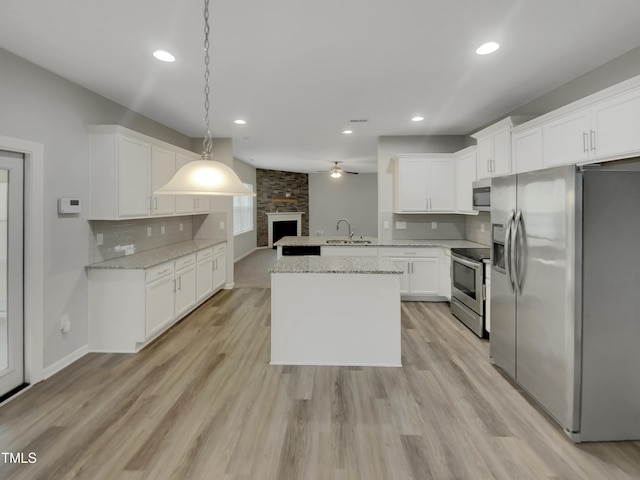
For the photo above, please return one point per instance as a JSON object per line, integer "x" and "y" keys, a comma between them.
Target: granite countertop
{"x": 322, "y": 240}
{"x": 156, "y": 256}
{"x": 352, "y": 265}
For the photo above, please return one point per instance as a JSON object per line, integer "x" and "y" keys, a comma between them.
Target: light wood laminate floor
{"x": 203, "y": 402}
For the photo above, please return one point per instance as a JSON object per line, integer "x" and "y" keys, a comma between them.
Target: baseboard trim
{"x": 66, "y": 361}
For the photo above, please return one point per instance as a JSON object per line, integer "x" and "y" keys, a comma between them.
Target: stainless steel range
{"x": 468, "y": 287}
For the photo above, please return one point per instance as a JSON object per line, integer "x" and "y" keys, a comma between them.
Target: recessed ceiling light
{"x": 164, "y": 56}
{"x": 417, "y": 119}
{"x": 487, "y": 48}
{"x": 240, "y": 122}
{"x": 347, "y": 132}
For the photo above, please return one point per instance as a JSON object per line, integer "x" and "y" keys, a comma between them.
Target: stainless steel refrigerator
{"x": 565, "y": 294}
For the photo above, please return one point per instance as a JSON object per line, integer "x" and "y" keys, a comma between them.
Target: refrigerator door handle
{"x": 507, "y": 253}
{"x": 514, "y": 260}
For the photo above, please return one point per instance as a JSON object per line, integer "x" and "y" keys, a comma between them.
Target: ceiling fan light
{"x": 335, "y": 173}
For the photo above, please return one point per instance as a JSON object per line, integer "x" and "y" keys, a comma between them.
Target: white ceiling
{"x": 298, "y": 71}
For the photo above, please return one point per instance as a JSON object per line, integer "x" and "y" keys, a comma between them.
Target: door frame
{"x": 33, "y": 254}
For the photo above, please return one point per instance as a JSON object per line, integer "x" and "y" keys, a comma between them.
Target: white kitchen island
{"x": 335, "y": 311}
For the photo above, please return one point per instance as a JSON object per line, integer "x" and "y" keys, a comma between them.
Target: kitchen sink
{"x": 341, "y": 241}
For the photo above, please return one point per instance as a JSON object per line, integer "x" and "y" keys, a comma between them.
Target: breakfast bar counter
{"x": 335, "y": 311}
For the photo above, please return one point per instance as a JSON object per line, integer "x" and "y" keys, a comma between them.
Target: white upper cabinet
{"x": 601, "y": 127}
{"x": 465, "y": 166}
{"x": 566, "y": 139}
{"x": 424, "y": 183}
{"x": 186, "y": 204}
{"x": 616, "y": 126}
{"x": 527, "y": 149}
{"x": 126, "y": 168}
{"x": 494, "y": 148}
{"x": 163, "y": 166}
{"x": 134, "y": 166}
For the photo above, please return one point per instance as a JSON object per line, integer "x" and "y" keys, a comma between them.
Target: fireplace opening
{"x": 284, "y": 228}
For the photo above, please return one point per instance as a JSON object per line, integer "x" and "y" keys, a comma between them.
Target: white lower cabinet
{"x": 159, "y": 299}
{"x": 129, "y": 307}
{"x": 219, "y": 266}
{"x": 185, "y": 278}
{"x": 204, "y": 274}
{"x": 421, "y": 267}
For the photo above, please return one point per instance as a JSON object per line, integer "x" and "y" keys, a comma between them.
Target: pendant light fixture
{"x": 206, "y": 176}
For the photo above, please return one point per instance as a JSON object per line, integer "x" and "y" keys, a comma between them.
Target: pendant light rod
{"x": 206, "y": 176}
{"x": 208, "y": 140}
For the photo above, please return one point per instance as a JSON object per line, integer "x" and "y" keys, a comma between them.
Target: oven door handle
{"x": 468, "y": 263}
{"x": 507, "y": 254}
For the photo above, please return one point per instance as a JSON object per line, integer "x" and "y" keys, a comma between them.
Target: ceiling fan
{"x": 336, "y": 171}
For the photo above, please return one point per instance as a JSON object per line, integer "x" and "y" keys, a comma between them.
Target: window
{"x": 243, "y": 212}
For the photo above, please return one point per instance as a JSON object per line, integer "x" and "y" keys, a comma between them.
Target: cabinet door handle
{"x": 179, "y": 283}
{"x": 163, "y": 272}
{"x": 426, "y": 203}
{"x": 155, "y": 203}
{"x": 585, "y": 142}
{"x": 593, "y": 140}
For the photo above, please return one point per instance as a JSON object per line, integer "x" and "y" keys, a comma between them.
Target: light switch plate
{"x": 99, "y": 239}
{"x": 434, "y": 225}
{"x": 162, "y": 230}
{"x": 221, "y": 225}
{"x": 181, "y": 227}
{"x": 385, "y": 225}
{"x": 401, "y": 225}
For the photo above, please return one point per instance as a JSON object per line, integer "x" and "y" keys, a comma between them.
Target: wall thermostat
{"x": 68, "y": 205}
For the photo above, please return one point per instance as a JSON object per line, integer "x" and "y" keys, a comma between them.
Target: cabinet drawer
{"x": 185, "y": 261}
{"x": 221, "y": 248}
{"x": 204, "y": 254}
{"x": 159, "y": 271}
{"x": 409, "y": 252}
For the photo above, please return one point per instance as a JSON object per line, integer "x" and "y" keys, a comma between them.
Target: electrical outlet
{"x": 482, "y": 227}
{"x": 181, "y": 227}
{"x": 148, "y": 231}
{"x": 385, "y": 225}
{"x": 401, "y": 225}
{"x": 434, "y": 225}
{"x": 65, "y": 323}
{"x": 99, "y": 239}
{"x": 162, "y": 230}
{"x": 221, "y": 225}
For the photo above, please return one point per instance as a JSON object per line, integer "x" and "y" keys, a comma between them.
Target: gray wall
{"x": 617, "y": 70}
{"x": 41, "y": 107}
{"x": 245, "y": 243}
{"x": 354, "y": 197}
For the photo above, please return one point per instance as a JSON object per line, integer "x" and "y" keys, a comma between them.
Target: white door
{"x": 442, "y": 185}
{"x": 163, "y": 166}
{"x": 424, "y": 276}
{"x": 11, "y": 273}
{"x": 134, "y": 164}
{"x": 412, "y": 185}
{"x": 159, "y": 305}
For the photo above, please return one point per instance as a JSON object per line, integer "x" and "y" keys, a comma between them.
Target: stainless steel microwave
{"x": 482, "y": 195}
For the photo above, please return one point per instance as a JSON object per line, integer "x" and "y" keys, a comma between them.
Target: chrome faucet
{"x": 348, "y": 224}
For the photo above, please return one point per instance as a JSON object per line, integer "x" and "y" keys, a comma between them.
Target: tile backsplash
{"x": 478, "y": 228}
{"x": 428, "y": 227}
{"x": 124, "y": 236}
